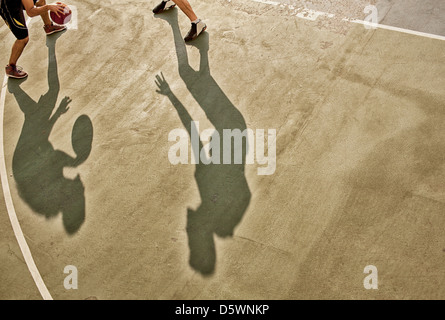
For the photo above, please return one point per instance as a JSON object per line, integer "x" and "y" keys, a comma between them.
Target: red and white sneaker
{"x": 15, "y": 72}
{"x": 50, "y": 29}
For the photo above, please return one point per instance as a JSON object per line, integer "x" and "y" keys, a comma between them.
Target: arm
{"x": 184, "y": 115}
{"x": 33, "y": 11}
{"x": 63, "y": 108}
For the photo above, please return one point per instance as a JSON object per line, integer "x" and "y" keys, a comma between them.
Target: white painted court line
{"x": 10, "y": 206}
{"x": 304, "y": 14}
{"x": 267, "y": 2}
{"x": 383, "y": 26}
{"x": 312, "y": 15}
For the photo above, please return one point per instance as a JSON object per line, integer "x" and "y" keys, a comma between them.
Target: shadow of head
{"x": 201, "y": 242}
{"x": 73, "y": 206}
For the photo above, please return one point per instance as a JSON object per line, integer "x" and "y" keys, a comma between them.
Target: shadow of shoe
{"x": 52, "y": 38}
{"x": 170, "y": 15}
{"x": 201, "y": 43}
{"x": 14, "y": 84}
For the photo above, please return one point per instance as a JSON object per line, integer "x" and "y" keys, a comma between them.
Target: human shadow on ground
{"x": 223, "y": 188}
{"x": 37, "y": 167}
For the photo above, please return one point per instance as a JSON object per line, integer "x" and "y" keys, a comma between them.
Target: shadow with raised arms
{"x": 223, "y": 188}
{"x": 37, "y": 167}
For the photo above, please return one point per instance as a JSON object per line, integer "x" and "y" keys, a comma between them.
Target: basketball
{"x": 63, "y": 18}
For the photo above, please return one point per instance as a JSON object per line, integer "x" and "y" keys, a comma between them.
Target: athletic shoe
{"x": 164, "y": 6}
{"x": 195, "y": 31}
{"x": 15, "y": 72}
{"x": 50, "y": 29}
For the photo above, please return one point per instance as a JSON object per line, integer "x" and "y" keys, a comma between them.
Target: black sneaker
{"x": 195, "y": 31}
{"x": 163, "y": 6}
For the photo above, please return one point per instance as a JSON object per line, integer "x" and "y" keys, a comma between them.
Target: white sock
{"x": 196, "y": 21}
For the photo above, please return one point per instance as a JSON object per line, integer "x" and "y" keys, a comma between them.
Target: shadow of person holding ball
{"x": 37, "y": 167}
{"x": 223, "y": 188}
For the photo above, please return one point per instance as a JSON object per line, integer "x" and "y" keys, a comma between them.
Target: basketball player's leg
{"x": 185, "y": 6}
{"x": 49, "y": 27}
{"x": 17, "y": 49}
{"x": 197, "y": 25}
{"x": 15, "y": 19}
{"x": 44, "y": 16}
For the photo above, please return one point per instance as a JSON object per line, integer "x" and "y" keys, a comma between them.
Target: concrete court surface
{"x": 360, "y": 155}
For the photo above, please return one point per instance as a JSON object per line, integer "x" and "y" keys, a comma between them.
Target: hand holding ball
{"x": 64, "y": 17}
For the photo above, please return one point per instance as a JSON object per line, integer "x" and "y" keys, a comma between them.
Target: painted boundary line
{"x": 11, "y": 210}
{"x": 10, "y": 204}
{"x": 313, "y": 15}
{"x": 303, "y": 14}
{"x": 383, "y": 26}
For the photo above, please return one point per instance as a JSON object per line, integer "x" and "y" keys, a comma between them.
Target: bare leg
{"x": 17, "y": 50}
{"x": 44, "y": 16}
{"x": 185, "y": 6}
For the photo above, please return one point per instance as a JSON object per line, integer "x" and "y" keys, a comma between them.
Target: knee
{"x": 23, "y": 41}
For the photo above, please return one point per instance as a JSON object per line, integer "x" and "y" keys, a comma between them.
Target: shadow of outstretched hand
{"x": 63, "y": 107}
{"x": 162, "y": 84}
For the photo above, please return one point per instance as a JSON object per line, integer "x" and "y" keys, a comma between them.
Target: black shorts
{"x": 12, "y": 12}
